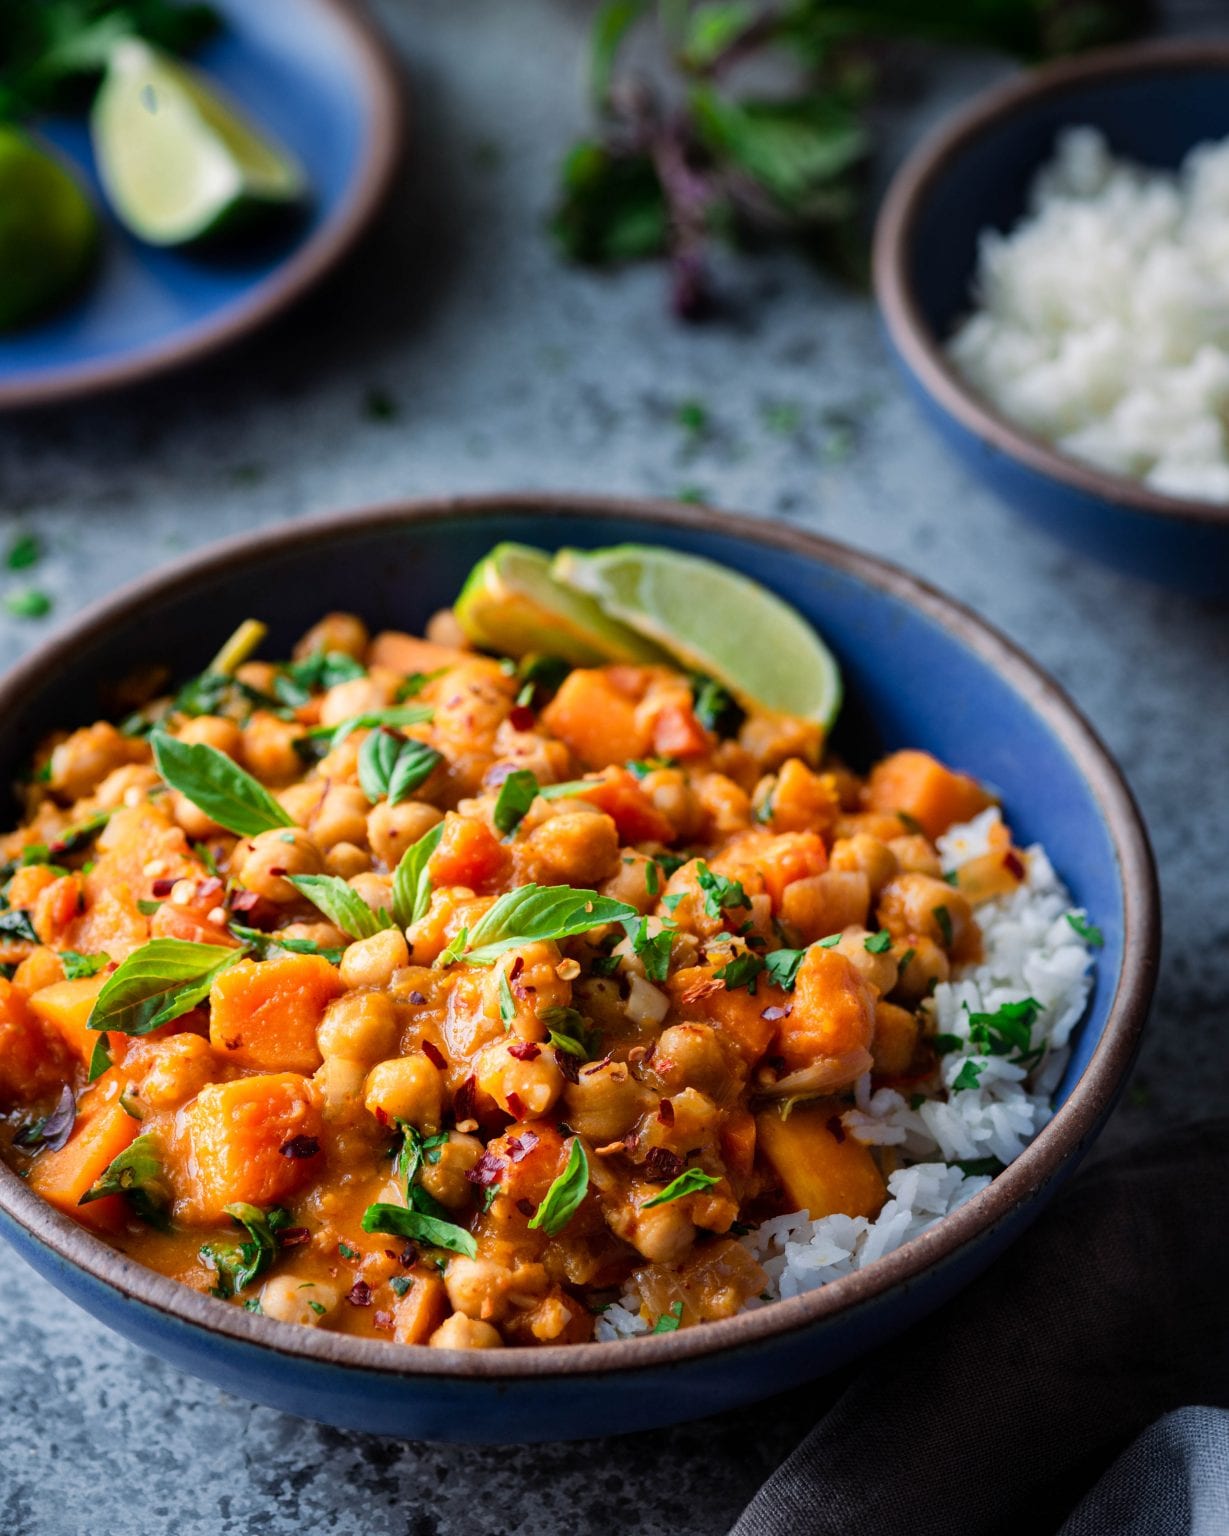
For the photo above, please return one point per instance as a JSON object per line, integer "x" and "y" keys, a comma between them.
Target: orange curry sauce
{"x": 547, "y": 1122}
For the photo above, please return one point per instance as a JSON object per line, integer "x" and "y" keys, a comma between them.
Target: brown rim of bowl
{"x": 384, "y": 94}
{"x": 908, "y": 328}
{"x": 1040, "y": 1162}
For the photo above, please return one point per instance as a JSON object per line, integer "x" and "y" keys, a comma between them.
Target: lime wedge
{"x": 48, "y": 230}
{"x": 713, "y": 621}
{"x": 177, "y": 160}
{"x": 510, "y": 603}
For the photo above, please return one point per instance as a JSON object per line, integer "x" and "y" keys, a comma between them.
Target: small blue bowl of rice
{"x": 1050, "y": 268}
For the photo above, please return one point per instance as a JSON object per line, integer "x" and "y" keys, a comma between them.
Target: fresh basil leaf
{"x": 562, "y": 1200}
{"x": 392, "y": 714}
{"x": 782, "y": 967}
{"x": 534, "y": 912}
{"x": 713, "y": 28}
{"x": 507, "y": 1003}
{"x": 16, "y": 924}
{"x": 398, "y": 1221}
{"x": 218, "y": 787}
{"x": 411, "y": 881}
{"x": 157, "y": 983}
{"x": 692, "y": 1181}
{"x": 611, "y": 206}
{"x": 265, "y": 944}
{"x": 297, "y": 681}
{"x": 394, "y": 766}
{"x": 137, "y": 1175}
{"x": 100, "y": 1059}
{"x": 610, "y": 26}
{"x": 237, "y": 1266}
{"x": 51, "y": 1131}
{"x": 73, "y": 839}
{"x": 77, "y": 965}
{"x": 341, "y": 904}
{"x": 516, "y": 794}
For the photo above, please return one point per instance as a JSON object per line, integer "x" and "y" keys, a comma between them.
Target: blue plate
{"x": 1153, "y": 102}
{"x": 919, "y": 671}
{"x": 313, "y": 75}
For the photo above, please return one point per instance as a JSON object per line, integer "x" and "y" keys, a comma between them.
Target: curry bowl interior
{"x": 919, "y": 671}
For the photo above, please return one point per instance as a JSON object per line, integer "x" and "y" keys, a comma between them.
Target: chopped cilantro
{"x": 507, "y": 1003}
{"x": 944, "y": 919}
{"x": 400, "y": 1284}
{"x": 692, "y": 416}
{"x": 516, "y": 794}
{"x": 969, "y": 1076}
{"x": 829, "y": 941}
{"x": 346, "y": 1251}
{"x": 720, "y": 894}
{"x": 670, "y": 1319}
{"x": 742, "y": 971}
{"x": 878, "y": 943}
{"x": 782, "y": 966}
{"x": 23, "y": 552}
{"x": 653, "y": 950}
{"x": 1089, "y": 932}
{"x": 28, "y": 603}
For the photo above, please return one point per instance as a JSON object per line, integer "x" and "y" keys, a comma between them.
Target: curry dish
{"x": 404, "y": 991}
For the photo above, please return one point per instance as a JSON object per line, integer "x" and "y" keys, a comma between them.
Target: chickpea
{"x": 342, "y": 633}
{"x": 691, "y": 1055}
{"x": 211, "y": 731}
{"x": 576, "y": 848}
{"x": 340, "y": 1082}
{"x": 113, "y": 790}
{"x": 268, "y": 748}
{"x": 181, "y": 1066}
{"x": 358, "y": 696}
{"x": 82, "y": 761}
{"x": 443, "y": 629}
{"x": 461, "y": 1332}
{"x": 347, "y": 860}
{"x": 865, "y": 853}
{"x": 878, "y": 970}
{"x": 190, "y": 818}
{"x": 474, "y": 700}
{"x": 548, "y": 760}
{"x": 261, "y": 675}
{"x": 391, "y": 829}
{"x": 483, "y": 1288}
{"x": 532, "y": 974}
{"x": 605, "y": 1102}
{"x": 818, "y": 905}
{"x": 376, "y": 890}
{"x": 922, "y": 966}
{"x": 444, "y": 1179}
{"x": 323, "y": 935}
{"x": 360, "y": 1026}
{"x": 408, "y": 1088}
{"x": 300, "y": 801}
{"x": 662, "y": 1234}
{"x": 674, "y": 797}
{"x": 726, "y": 804}
{"x": 421, "y": 1310}
{"x": 264, "y": 862}
{"x": 914, "y": 854}
{"x": 524, "y": 1089}
{"x": 920, "y": 904}
{"x": 341, "y": 817}
{"x": 291, "y": 1300}
{"x": 371, "y": 962}
{"x": 631, "y": 880}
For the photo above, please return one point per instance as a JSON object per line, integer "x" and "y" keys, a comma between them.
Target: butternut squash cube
{"x": 822, "y": 1169}
{"x": 249, "y": 1140}
{"x": 264, "y": 1014}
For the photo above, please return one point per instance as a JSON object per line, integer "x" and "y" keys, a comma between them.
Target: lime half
{"x": 714, "y": 621}
{"x": 48, "y": 230}
{"x": 513, "y": 605}
{"x": 177, "y": 160}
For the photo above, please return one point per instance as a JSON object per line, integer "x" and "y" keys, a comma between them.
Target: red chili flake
{"x": 382, "y": 1117}
{"x": 359, "y": 1294}
{"x": 834, "y": 1125}
{"x": 434, "y": 1055}
{"x": 300, "y": 1146}
{"x": 774, "y": 1013}
{"x": 389, "y": 1254}
{"x": 162, "y": 888}
{"x": 487, "y": 1170}
{"x": 515, "y": 1108}
{"x": 465, "y": 1100}
{"x": 292, "y": 1237}
{"x": 408, "y": 1256}
{"x": 568, "y": 1065}
{"x": 665, "y": 1112}
{"x": 524, "y": 1050}
{"x": 661, "y": 1165}
{"x": 526, "y": 1207}
{"x": 522, "y": 718}
{"x": 518, "y": 965}
{"x": 418, "y": 999}
{"x": 206, "y": 889}
{"x": 277, "y": 870}
{"x": 1013, "y": 862}
{"x": 383, "y": 1321}
{"x": 258, "y": 913}
{"x": 519, "y": 1147}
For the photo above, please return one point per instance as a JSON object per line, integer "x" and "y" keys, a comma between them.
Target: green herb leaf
{"x": 742, "y": 971}
{"x": 1089, "y": 932}
{"x": 654, "y": 951}
{"x": 782, "y": 966}
{"x": 968, "y": 1077}
{"x": 944, "y": 919}
{"x": 137, "y": 1175}
{"x": 218, "y": 787}
{"x": 391, "y": 765}
{"x": 536, "y": 912}
{"x": 692, "y": 1181}
{"x": 670, "y": 1319}
{"x": 238, "y": 1266}
{"x": 611, "y": 206}
{"x": 326, "y": 737}
{"x": 562, "y": 1200}
{"x": 1009, "y": 1028}
{"x": 341, "y": 904}
{"x": 265, "y": 944}
{"x": 610, "y": 26}
{"x": 157, "y": 983}
{"x": 100, "y": 1059}
{"x": 28, "y": 603}
{"x": 24, "y": 551}
{"x": 411, "y": 882}
{"x": 77, "y": 965}
{"x": 715, "y": 707}
{"x": 400, "y": 1284}
{"x": 516, "y": 794}
{"x": 299, "y": 680}
{"x": 16, "y": 924}
{"x": 878, "y": 943}
{"x": 720, "y": 894}
{"x": 507, "y": 1003}
{"x": 398, "y": 1221}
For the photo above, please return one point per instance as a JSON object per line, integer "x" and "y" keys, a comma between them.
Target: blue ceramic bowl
{"x": 919, "y": 670}
{"x": 315, "y": 76}
{"x": 1153, "y": 102}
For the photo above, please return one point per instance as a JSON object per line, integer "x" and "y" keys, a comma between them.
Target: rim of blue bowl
{"x": 907, "y": 326}
{"x": 1073, "y": 1125}
{"x": 386, "y": 97}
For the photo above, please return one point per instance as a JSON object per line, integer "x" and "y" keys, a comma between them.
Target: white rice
{"x": 1102, "y": 320}
{"x": 1030, "y": 950}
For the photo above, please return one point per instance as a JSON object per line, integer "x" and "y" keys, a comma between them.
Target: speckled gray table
{"x": 502, "y": 369}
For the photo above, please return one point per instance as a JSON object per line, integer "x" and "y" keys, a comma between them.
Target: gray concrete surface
{"x": 506, "y": 370}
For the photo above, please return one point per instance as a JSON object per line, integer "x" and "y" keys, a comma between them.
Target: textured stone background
{"x": 506, "y": 370}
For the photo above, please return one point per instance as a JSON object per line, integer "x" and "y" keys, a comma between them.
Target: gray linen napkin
{"x": 1000, "y": 1412}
